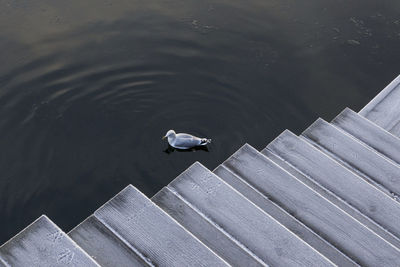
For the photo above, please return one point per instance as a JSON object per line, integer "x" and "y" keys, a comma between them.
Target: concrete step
{"x": 322, "y": 216}
{"x": 243, "y": 221}
{"x": 369, "y": 133}
{"x": 283, "y": 217}
{"x": 384, "y": 108}
{"x": 345, "y": 184}
{"x": 148, "y": 231}
{"x": 334, "y": 199}
{"x": 357, "y": 157}
{"x": 212, "y": 236}
{"x": 104, "y": 246}
{"x": 42, "y": 243}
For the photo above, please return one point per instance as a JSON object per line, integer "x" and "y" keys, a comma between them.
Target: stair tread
{"x": 279, "y": 214}
{"x": 356, "y": 156}
{"x": 369, "y": 133}
{"x": 3, "y": 263}
{"x": 333, "y": 199}
{"x": 206, "y": 231}
{"x": 333, "y": 224}
{"x": 384, "y": 108}
{"x": 342, "y": 182}
{"x": 244, "y": 221}
{"x": 43, "y": 243}
{"x": 152, "y": 232}
{"x": 106, "y": 248}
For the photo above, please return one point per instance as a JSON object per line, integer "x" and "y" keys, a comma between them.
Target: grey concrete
{"x": 369, "y": 133}
{"x": 3, "y": 263}
{"x": 143, "y": 226}
{"x": 368, "y": 164}
{"x": 224, "y": 245}
{"x": 334, "y": 199}
{"x": 334, "y": 177}
{"x": 279, "y": 214}
{"x": 43, "y": 244}
{"x": 384, "y": 108}
{"x": 100, "y": 243}
{"x": 323, "y": 217}
{"x": 244, "y": 221}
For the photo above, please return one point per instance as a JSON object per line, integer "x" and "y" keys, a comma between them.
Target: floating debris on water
{"x": 353, "y": 42}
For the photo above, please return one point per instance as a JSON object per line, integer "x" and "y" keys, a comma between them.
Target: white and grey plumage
{"x": 185, "y": 141}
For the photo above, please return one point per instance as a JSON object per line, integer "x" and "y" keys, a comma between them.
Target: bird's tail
{"x": 205, "y": 141}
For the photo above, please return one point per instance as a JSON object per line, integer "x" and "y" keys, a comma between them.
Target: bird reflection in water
{"x": 171, "y": 149}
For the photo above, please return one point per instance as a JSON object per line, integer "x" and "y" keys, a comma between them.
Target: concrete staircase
{"x": 327, "y": 197}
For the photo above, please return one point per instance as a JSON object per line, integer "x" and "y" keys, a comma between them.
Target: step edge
{"x": 380, "y": 97}
{"x": 327, "y": 243}
{"x": 254, "y": 205}
{"x": 336, "y": 123}
{"x": 213, "y": 224}
{"x": 145, "y": 260}
{"x": 47, "y": 219}
{"x": 341, "y": 204}
{"x": 306, "y": 136}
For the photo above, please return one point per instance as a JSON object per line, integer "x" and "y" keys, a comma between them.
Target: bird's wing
{"x": 185, "y": 135}
{"x": 186, "y": 141}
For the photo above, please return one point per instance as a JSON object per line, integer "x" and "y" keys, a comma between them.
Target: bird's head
{"x": 170, "y": 133}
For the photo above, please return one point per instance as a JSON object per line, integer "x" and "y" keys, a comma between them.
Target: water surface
{"x": 87, "y": 88}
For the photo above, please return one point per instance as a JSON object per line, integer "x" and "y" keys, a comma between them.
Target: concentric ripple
{"x": 78, "y": 125}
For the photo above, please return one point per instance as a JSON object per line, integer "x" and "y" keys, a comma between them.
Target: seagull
{"x": 185, "y": 141}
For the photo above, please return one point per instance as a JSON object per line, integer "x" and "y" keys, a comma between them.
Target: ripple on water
{"x": 80, "y": 122}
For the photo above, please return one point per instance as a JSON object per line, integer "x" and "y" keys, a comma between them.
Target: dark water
{"x": 87, "y": 88}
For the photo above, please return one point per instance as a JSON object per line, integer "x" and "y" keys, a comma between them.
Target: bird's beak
{"x": 163, "y": 137}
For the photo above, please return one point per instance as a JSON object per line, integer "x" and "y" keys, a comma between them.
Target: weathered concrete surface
{"x": 384, "y": 108}
{"x": 369, "y": 133}
{"x": 279, "y": 214}
{"x": 143, "y": 226}
{"x": 100, "y": 243}
{"x": 333, "y": 176}
{"x": 326, "y": 219}
{"x": 224, "y": 245}
{"x": 356, "y": 214}
{"x": 241, "y": 219}
{"x": 3, "y": 263}
{"x": 43, "y": 244}
{"x": 368, "y": 164}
